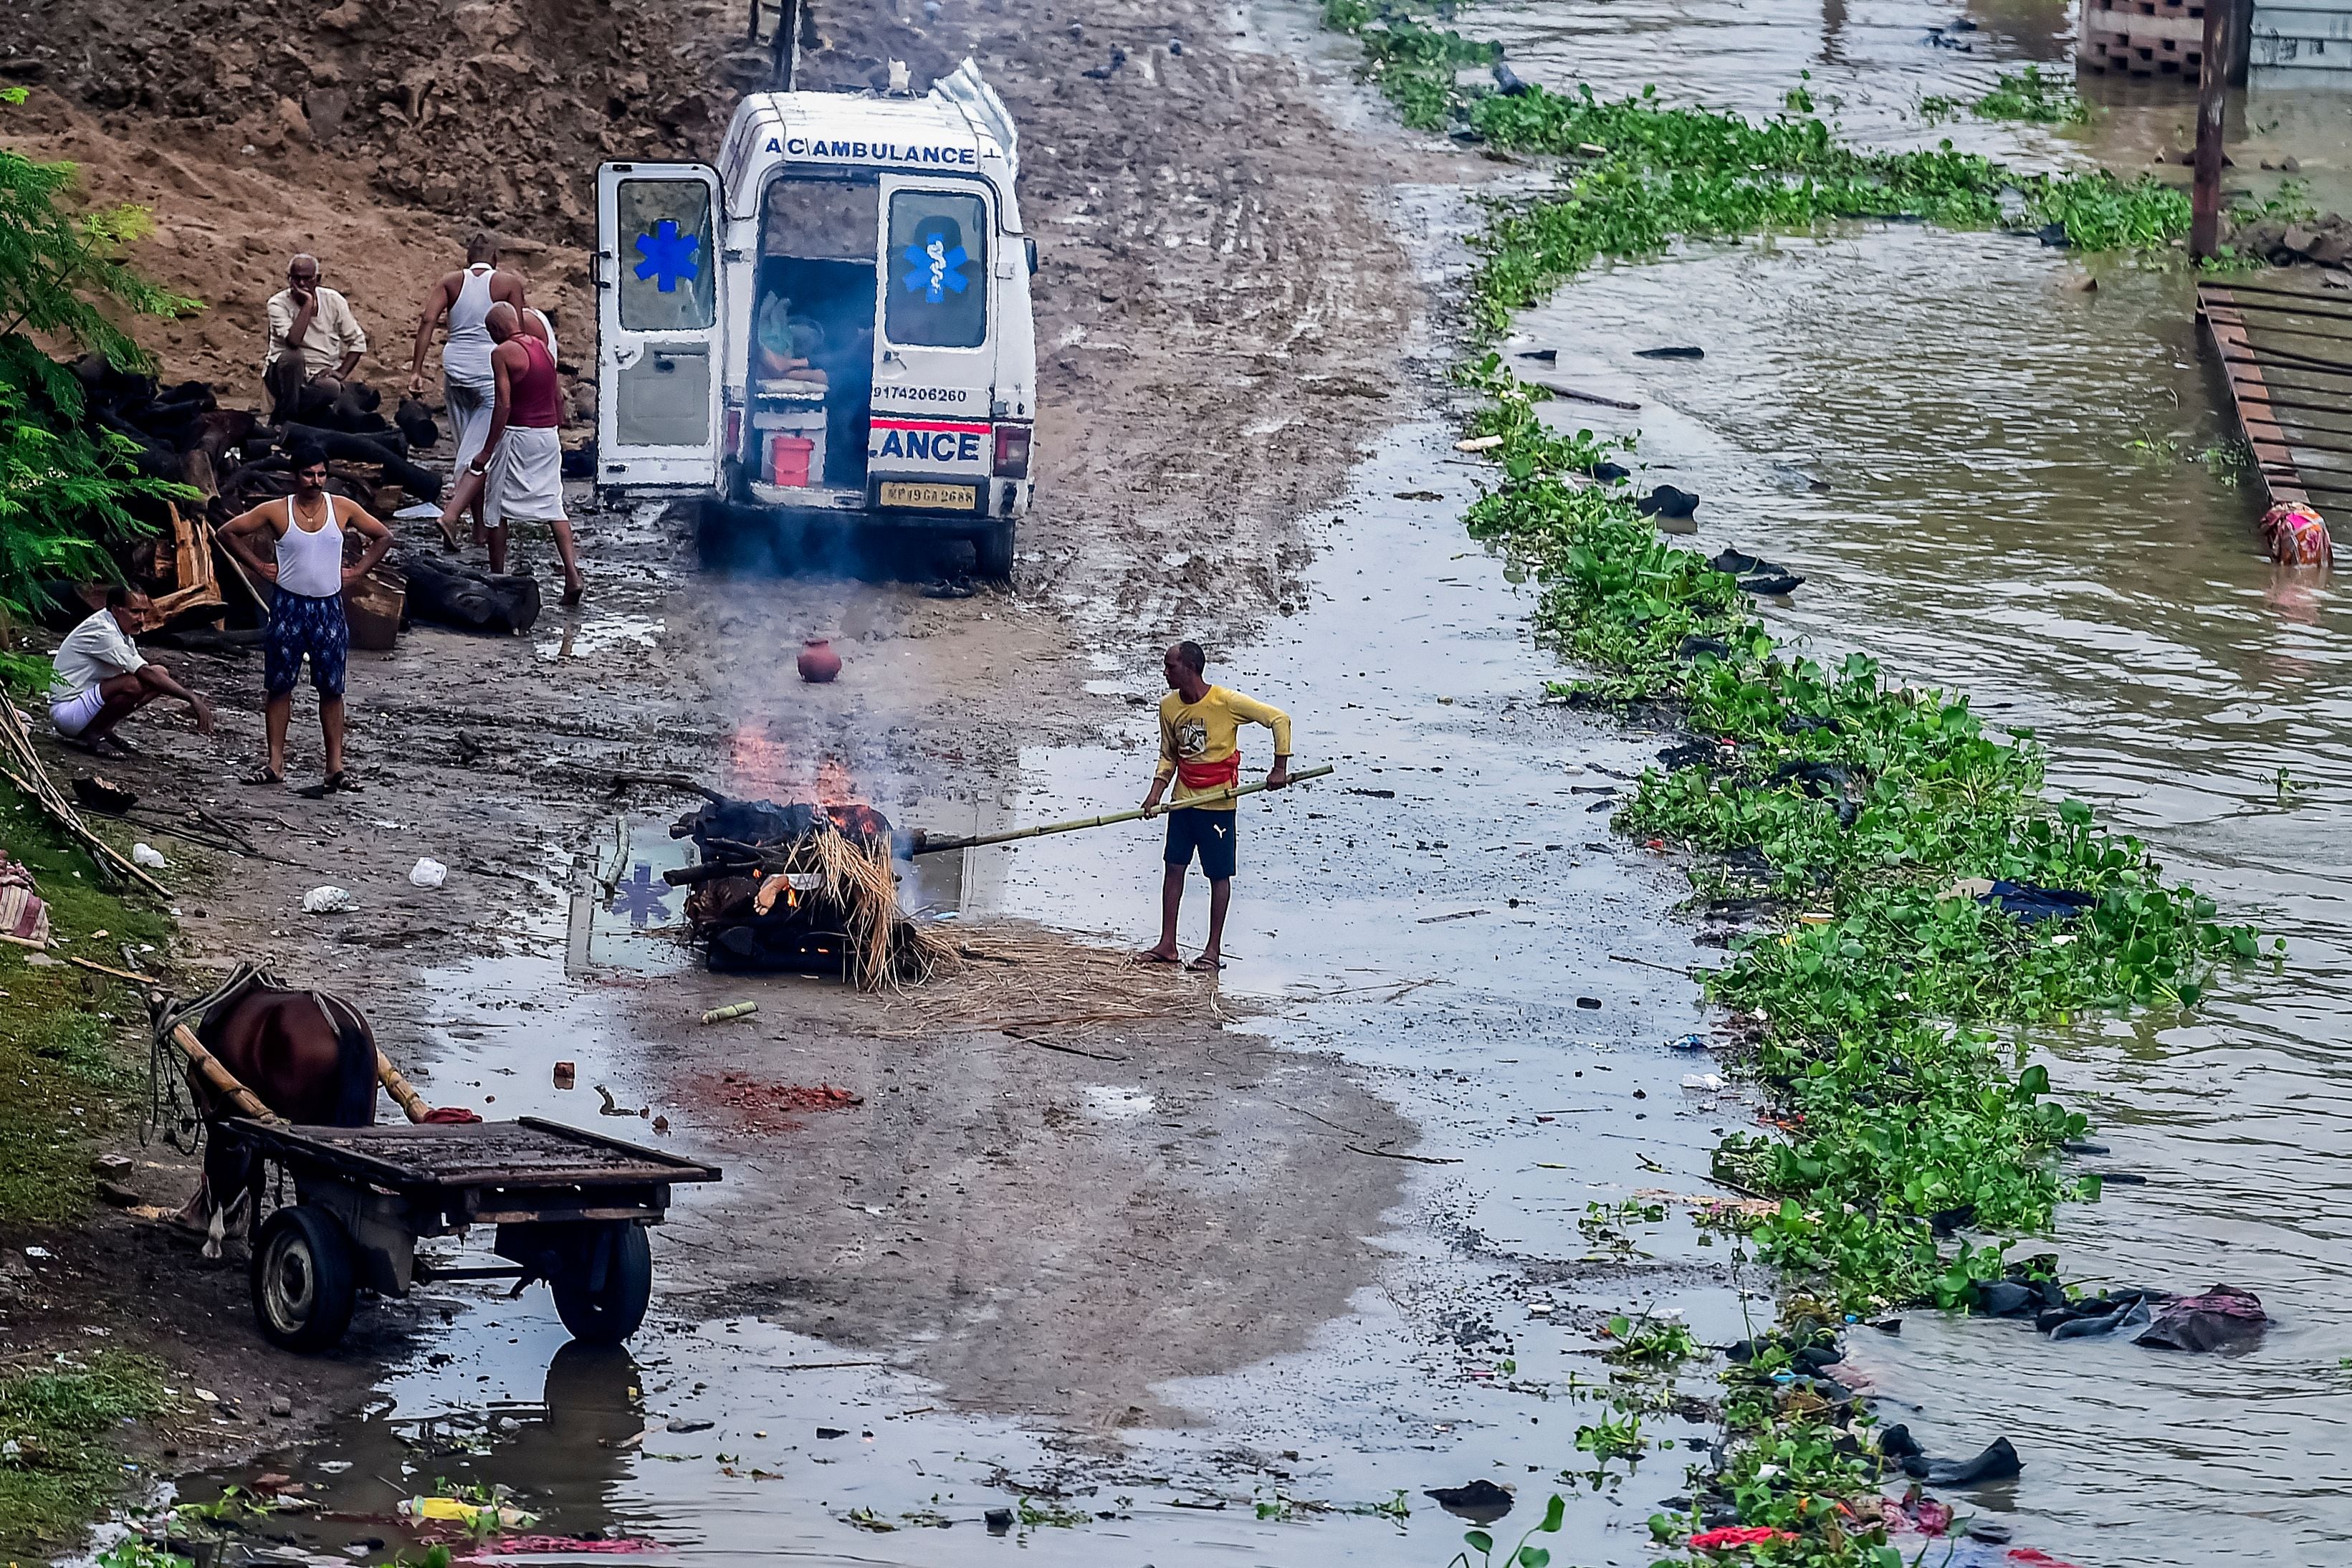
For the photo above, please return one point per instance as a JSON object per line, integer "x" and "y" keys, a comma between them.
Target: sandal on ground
{"x": 571, "y": 595}
{"x": 338, "y": 783}
{"x": 1204, "y": 964}
{"x": 263, "y": 774}
{"x": 449, "y": 542}
{"x": 1152, "y": 955}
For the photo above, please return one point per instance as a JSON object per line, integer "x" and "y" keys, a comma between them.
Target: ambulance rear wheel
{"x": 991, "y": 550}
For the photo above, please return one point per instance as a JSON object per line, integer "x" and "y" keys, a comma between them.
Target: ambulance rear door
{"x": 929, "y": 448}
{"x": 658, "y": 308}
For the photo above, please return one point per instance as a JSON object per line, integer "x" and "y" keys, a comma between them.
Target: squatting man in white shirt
{"x": 102, "y": 679}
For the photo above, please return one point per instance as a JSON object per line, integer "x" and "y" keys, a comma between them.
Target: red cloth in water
{"x": 450, "y": 1116}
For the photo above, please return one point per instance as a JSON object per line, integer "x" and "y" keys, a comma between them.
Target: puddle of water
{"x": 593, "y": 634}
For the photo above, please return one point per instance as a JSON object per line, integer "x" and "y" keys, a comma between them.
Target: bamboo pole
{"x": 220, "y": 1078}
{"x": 926, "y": 845}
{"x": 402, "y": 1092}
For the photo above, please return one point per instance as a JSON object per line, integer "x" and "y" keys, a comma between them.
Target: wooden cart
{"x": 571, "y": 1208}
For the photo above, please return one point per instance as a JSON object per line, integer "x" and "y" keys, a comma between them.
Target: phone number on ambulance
{"x": 922, "y": 394}
{"x": 874, "y": 152}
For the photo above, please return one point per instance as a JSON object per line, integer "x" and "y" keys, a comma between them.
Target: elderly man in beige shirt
{"x": 315, "y": 343}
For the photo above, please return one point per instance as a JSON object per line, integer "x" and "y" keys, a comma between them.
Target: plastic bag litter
{"x": 329, "y": 900}
{"x": 147, "y": 855}
{"x": 1706, "y": 1080}
{"x": 428, "y": 873}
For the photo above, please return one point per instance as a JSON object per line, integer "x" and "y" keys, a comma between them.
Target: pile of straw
{"x": 855, "y": 876}
{"x": 1043, "y": 986}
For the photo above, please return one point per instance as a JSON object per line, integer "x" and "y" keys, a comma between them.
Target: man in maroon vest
{"x": 522, "y": 461}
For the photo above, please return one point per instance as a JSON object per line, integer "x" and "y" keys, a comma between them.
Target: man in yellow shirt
{"x": 1200, "y": 752}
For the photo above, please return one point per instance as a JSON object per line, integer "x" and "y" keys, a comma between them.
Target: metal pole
{"x": 2212, "y": 99}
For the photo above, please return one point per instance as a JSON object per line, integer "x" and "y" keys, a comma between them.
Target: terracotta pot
{"x": 818, "y": 662}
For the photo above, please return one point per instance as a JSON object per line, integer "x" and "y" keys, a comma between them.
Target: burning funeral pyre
{"x": 800, "y": 887}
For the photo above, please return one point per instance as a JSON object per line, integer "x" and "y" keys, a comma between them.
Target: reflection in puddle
{"x": 595, "y": 634}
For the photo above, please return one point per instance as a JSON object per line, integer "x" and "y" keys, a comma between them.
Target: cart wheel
{"x": 304, "y": 1282}
{"x": 606, "y": 1284}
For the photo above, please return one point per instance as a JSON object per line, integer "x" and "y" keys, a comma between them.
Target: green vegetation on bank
{"x": 62, "y": 1030}
{"x": 1637, "y": 174}
{"x": 1876, "y": 1009}
{"x": 74, "y": 1074}
{"x": 61, "y": 1464}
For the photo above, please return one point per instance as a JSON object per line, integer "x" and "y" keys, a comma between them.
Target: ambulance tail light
{"x": 1013, "y": 451}
{"x": 734, "y": 432}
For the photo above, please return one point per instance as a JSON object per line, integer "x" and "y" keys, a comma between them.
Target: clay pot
{"x": 818, "y": 662}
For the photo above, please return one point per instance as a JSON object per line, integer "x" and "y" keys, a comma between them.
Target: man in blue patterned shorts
{"x": 305, "y": 614}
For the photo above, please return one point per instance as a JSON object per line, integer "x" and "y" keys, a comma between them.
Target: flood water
{"x": 1985, "y": 474}
{"x": 1991, "y": 480}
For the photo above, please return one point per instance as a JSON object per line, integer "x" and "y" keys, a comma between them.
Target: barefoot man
{"x": 464, "y": 298}
{"x": 521, "y": 462}
{"x": 1199, "y": 749}
{"x": 103, "y": 679}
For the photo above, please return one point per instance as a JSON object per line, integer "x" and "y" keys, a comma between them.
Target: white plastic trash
{"x": 1706, "y": 1080}
{"x": 329, "y": 900}
{"x": 428, "y": 873}
{"x": 147, "y": 855}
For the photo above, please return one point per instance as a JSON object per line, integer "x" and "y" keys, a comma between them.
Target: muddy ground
{"x": 1226, "y": 313}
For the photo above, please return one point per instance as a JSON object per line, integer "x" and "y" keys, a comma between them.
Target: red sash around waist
{"x": 1210, "y": 776}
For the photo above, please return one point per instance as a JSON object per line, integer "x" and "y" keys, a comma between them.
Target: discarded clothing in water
{"x": 2130, "y": 1314}
{"x": 1692, "y": 646}
{"x": 2224, "y": 1315}
{"x": 1480, "y": 1502}
{"x": 2031, "y": 905}
{"x": 2297, "y": 536}
{"x": 1668, "y": 503}
{"x": 1819, "y": 780}
{"x": 1690, "y": 754}
{"x": 1756, "y": 575}
{"x": 1998, "y": 1462}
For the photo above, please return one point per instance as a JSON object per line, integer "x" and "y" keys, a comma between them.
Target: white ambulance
{"x": 833, "y": 323}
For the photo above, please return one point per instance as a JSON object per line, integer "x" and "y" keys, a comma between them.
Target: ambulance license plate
{"x": 931, "y": 497}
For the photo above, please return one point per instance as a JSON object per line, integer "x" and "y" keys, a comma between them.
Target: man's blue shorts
{"x": 300, "y": 625}
{"x": 1212, "y": 833}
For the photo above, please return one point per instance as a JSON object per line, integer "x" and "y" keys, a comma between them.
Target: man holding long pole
{"x": 1200, "y": 753}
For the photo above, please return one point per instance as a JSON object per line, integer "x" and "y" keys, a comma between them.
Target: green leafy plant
{"x": 2038, "y": 99}
{"x": 64, "y": 489}
{"x": 1525, "y": 1554}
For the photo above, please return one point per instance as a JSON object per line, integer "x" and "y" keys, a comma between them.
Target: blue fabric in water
{"x": 2030, "y": 905}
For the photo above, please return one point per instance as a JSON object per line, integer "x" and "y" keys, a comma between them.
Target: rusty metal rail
{"x": 2273, "y": 346}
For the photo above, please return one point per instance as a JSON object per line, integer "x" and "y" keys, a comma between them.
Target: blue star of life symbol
{"x": 639, "y": 898}
{"x": 669, "y": 256}
{"x": 935, "y": 268}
